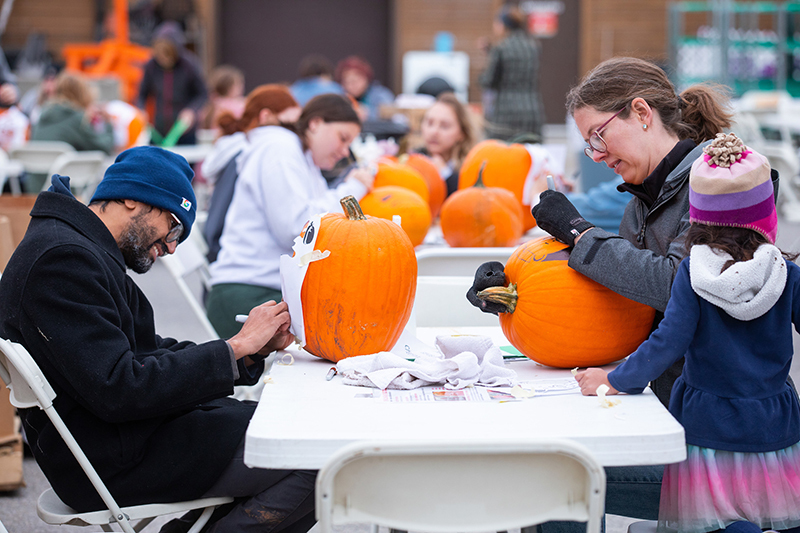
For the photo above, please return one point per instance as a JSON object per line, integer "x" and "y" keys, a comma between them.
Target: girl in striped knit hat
{"x": 730, "y": 314}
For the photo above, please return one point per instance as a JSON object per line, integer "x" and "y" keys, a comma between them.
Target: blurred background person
{"x": 226, "y": 95}
{"x": 34, "y": 99}
{"x": 280, "y": 187}
{"x": 512, "y": 73}
{"x": 314, "y": 77}
{"x": 266, "y": 105}
{"x": 357, "y": 78}
{"x": 72, "y": 116}
{"x": 173, "y": 88}
{"x": 447, "y": 135}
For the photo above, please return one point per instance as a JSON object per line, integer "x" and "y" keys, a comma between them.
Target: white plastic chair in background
{"x": 29, "y": 388}
{"x": 441, "y": 301}
{"x": 188, "y": 265}
{"x": 468, "y": 487}
{"x": 38, "y": 156}
{"x": 85, "y": 170}
{"x": 446, "y": 261}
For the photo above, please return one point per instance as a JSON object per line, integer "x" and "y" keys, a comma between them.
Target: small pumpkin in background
{"x": 507, "y": 166}
{"x": 386, "y": 202}
{"x": 358, "y": 299}
{"x": 437, "y": 188}
{"x": 395, "y": 173}
{"x": 480, "y": 216}
{"x": 559, "y": 317}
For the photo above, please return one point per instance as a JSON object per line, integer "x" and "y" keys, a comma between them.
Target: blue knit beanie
{"x": 155, "y": 177}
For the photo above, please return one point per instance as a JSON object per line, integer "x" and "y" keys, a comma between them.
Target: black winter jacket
{"x": 150, "y": 413}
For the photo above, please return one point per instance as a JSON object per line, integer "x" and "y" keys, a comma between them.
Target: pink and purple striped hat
{"x": 731, "y": 186}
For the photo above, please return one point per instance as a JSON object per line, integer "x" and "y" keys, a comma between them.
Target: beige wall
{"x": 622, "y": 27}
{"x": 418, "y": 21}
{"x": 62, "y": 21}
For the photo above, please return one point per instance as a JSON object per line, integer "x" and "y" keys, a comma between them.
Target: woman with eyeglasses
{"x": 637, "y": 124}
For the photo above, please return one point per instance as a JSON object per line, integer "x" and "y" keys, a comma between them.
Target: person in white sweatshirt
{"x": 280, "y": 187}
{"x": 266, "y": 105}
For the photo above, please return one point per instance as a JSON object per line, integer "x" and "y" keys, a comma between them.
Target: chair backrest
{"x": 441, "y": 301}
{"x": 188, "y": 264}
{"x": 445, "y": 261}
{"x": 39, "y": 156}
{"x": 85, "y": 170}
{"x": 29, "y": 388}
{"x": 442, "y": 487}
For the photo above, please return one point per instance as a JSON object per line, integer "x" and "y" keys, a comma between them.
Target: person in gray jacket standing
{"x": 513, "y": 75}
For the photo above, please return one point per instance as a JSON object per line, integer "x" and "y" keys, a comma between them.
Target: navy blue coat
{"x": 151, "y": 413}
{"x": 732, "y": 394}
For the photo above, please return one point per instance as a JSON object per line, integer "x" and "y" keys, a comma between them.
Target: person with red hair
{"x": 357, "y": 78}
{"x": 271, "y": 104}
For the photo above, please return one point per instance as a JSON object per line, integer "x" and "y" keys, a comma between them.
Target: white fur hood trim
{"x": 747, "y": 289}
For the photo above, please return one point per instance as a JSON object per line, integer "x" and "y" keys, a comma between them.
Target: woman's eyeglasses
{"x": 175, "y": 231}
{"x": 596, "y": 143}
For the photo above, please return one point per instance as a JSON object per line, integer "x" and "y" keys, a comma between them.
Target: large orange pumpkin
{"x": 437, "y": 188}
{"x": 396, "y": 173}
{"x": 559, "y": 317}
{"x": 386, "y": 202}
{"x": 357, "y": 300}
{"x": 481, "y": 216}
{"x": 506, "y": 166}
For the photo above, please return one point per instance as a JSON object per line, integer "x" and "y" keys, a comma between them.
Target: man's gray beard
{"x": 135, "y": 244}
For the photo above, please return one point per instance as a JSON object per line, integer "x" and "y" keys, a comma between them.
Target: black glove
{"x": 557, "y": 216}
{"x": 488, "y": 275}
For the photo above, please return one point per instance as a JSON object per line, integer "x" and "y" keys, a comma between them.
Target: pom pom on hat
{"x": 731, "y": 185}
{"x": 155, "y": 177}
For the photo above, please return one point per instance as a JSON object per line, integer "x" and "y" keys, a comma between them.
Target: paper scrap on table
{"x": 604, "y": 401}
{"x": 293, "y": 272}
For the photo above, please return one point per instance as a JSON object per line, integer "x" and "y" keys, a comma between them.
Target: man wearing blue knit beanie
{"x": 152, "y": 414}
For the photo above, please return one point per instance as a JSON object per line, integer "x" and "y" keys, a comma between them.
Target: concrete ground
{"x": 174, "y": 319}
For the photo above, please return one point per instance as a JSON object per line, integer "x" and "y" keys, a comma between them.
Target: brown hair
{"x": 73, "y": 89}
{"x": 328, "y": 107}
{"x": 223, "y": 78}
{"x": 273, "y": 96}
{"x": 698, "y": 113}
{"x": 461, "y": 149}
{"x": 739, "y": 243}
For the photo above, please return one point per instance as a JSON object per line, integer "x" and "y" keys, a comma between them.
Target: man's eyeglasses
{"x": 175, "y": 231}
{"x": 596, "y": 143}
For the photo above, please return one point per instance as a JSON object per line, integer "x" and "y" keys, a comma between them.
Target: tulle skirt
{"x": 713, "y": 488}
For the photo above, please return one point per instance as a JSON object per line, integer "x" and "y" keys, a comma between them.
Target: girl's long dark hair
{"x": 739, "y": 243}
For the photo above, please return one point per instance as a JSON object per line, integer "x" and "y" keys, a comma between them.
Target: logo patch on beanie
{"x": 186, "y": 204}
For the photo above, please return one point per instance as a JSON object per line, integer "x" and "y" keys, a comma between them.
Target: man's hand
{"x": 557, "y": 216}
{"x": 266, "y": 330}
{"x": 591, "y": 378}
{"x": 187, "y": 116}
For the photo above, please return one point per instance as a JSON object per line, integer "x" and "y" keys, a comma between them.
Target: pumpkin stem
{"x": 352, "y": 209}
{"x": 479, "y": 181}
{"x": 506, "y": 296}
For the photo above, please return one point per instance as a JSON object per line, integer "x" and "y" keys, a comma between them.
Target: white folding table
{"x": 302, "y": 418}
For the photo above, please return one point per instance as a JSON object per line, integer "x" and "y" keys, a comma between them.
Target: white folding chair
{"x": 189, "y": 264}
{"x": 29, "y": 388}
{"x": 446, "y": 261}
{"x": 38, "y": 156}
{"x": 85, "y": 170}
{"x": 444, "y": 487}
{"x": 441, "y": 301}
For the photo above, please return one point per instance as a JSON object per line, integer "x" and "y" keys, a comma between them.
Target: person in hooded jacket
{"x": 71, "y": 116}
{"x": 174, "y": 81}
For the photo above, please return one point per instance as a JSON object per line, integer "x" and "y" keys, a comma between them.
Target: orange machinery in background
{"x": 117, "y": 57}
